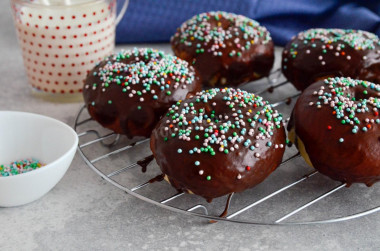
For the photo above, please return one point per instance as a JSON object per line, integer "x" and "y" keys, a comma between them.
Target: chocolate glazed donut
{"x": 336, "y": 126}
{"x": 218, "y": 142}
{"x": 130, "y": 91}
{"x": 225, "y": 48}
{"x": 320, "y": 53}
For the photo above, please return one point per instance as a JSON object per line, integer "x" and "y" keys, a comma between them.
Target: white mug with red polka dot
{"x": 61, "y": 40}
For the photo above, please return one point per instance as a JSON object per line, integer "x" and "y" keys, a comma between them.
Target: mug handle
{"x": 122, "y": 12}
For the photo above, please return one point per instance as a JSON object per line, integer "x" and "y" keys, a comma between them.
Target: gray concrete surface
{"x": 83, "y": 212}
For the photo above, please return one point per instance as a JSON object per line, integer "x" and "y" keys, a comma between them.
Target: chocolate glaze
{"x": 145, "y": 162}
{"x": 224, "y": 169}
{"x": 157, "y": 178}
{"x": 254, "y": 63}
{"x": 225, "y": 211}
{"x": 128, "y": 115}
{"x": 304, "y": 60}
{"x": 357, "y": 158}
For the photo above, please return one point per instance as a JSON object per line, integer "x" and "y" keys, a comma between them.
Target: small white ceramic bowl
{"x": 27, "y": 135}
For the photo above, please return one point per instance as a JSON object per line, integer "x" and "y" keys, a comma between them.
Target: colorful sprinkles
{"x": 212, "y": 32}
{"x": 334, "y": 41}
{"x": 151, "y": 69}
{"x": 339, "y": 95}
{"x": 241, "y": 120}
{"x": 19, "y": 167}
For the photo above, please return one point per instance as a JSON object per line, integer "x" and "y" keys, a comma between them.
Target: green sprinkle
{"x": 19, "y": 167}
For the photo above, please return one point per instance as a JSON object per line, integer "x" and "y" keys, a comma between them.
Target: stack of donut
{"x": 223, "y": 140}
{"x": 335, "y": 123}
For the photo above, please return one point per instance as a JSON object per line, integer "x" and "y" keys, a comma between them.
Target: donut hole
{"x": 141, "y": 116}
{"x": 370, "y": 72}
{"x": 221, "y": 23}
{"x": 362, "y": 93}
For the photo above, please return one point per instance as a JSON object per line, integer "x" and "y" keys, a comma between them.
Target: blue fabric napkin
{"x": 157, "y": 20}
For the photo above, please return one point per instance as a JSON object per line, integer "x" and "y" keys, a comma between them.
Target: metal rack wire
{"x": 115, "y": 148}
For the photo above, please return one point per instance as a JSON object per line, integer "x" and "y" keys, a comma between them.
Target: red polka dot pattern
{"x": 58, "y": 49}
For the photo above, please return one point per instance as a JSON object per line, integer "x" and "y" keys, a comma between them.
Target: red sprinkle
{"x": 247, "y": 168}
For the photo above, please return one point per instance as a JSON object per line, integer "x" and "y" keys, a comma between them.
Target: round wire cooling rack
{"x": 294, "y": 191}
